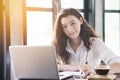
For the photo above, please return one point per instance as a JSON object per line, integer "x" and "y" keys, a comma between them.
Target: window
{"x": 112, "y": 25}
{"x": 39, "y": 22}
{"x": 78, "y": 4}
{"x": 112, "y": 4}
{"x": 39, "y": 28}
{"x": 39, "y": 3}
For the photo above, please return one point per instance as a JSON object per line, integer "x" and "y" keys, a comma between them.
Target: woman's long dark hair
{"x": 60, "y": 39}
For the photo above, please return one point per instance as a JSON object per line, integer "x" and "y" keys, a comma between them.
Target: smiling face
{"x": 71, "y": 26}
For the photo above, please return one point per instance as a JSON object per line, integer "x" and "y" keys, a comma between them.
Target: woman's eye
{"x": 72, "y": 23}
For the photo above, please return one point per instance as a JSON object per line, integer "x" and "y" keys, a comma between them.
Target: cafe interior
{"x": 31, "y": 22}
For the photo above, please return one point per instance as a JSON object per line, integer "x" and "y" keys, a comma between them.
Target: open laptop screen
{"x": 34, "y": 62}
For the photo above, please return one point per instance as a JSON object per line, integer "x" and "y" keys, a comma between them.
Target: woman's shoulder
{"x": 96, "y": 40}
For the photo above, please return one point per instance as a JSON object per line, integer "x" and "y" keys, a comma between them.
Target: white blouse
{"x": 98, "y": 52}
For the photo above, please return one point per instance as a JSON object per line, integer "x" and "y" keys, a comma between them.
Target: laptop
{"x": 35, "y": 62}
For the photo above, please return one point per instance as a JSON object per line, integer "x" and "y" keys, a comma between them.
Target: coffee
{"x": 102, "y": 71}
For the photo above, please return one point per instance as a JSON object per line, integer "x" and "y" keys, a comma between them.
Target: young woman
{"x": 77, "y": 44}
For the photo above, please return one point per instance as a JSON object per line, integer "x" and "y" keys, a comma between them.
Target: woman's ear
{"x": 81, "y": 20}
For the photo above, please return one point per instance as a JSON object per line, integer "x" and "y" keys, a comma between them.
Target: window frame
{"x": 108, "y": 11}
{"x": 25, "y": 9}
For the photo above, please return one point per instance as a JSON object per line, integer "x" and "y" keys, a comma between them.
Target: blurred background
{"x": 31, "y": 22}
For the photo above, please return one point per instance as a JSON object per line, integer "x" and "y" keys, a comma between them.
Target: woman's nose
{"x": 69, "y": 28}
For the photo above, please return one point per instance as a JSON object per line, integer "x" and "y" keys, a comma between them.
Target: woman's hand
{"x": 85, "y": 70}
{"x": 115, "y": 68}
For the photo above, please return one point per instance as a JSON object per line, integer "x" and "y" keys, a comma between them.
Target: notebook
{"x": 35, "y": 62}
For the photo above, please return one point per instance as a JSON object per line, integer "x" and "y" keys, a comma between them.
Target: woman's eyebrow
{"x": 69, "y": 22}
{"x": 72, "y": 20}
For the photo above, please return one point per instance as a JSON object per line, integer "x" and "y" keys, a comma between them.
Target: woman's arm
{"x": 64, "y": 67}
{"x": 80, "y": 68}
{"x": 115, "y": 68}
{"x": 107, "y": 55}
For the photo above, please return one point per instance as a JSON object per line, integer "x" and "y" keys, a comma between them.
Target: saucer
{"x": 101, "y": 77}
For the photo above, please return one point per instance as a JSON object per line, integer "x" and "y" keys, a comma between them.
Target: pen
{"x": 86, "y": 62}
{"x": 86, "y": 58}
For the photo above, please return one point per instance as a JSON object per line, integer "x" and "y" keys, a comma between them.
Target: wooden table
{"x": 102, "y": 77}
{"x": 116, "y": 76}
